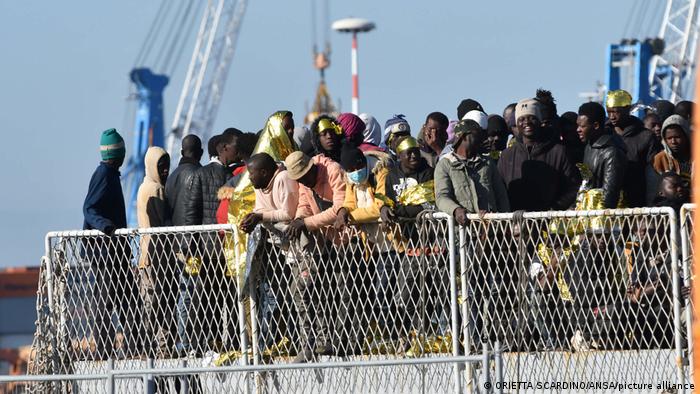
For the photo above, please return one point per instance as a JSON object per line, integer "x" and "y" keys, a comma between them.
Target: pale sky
{"x": 65, "y": 71}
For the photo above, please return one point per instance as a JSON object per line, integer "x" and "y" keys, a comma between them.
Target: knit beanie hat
{"x": 528, "y": 107}
{"x": 112, "y": 145}
{"x": 676, "y": 120}
{"x": 351, "y": 157}
{"x": 396, "y": 125}
{"x": 468, "y": 105}
{"x": 352, "y": 125}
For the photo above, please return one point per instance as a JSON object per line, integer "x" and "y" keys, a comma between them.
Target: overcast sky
{"x": 65, "y": 66}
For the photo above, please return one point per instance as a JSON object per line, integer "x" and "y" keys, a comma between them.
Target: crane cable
{"x": 177, "y": 50}
{"x": 153, "y": 33}
{"x": 626, "y": 32}
{"x": 170, "y": 35}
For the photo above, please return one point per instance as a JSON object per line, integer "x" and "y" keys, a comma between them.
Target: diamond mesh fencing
{"x": 569, "y": 296}
{"x": 576, "y": 296}
{"x": 369, "y": 292}
{"x": 159, "y": 294}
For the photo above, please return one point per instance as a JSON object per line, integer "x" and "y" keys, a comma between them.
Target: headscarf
{"x": 302, "y": 138}
{"x": 352, "y": 125}
{"x": 373, "y": 131}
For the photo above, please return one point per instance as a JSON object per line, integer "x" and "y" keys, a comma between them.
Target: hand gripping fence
{"x": 577, "y": 296}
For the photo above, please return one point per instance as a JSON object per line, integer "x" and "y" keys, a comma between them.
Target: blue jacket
{"x": 104, "y": 203}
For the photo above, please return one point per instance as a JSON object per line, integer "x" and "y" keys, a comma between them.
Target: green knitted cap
{"x": 112, "y": 145}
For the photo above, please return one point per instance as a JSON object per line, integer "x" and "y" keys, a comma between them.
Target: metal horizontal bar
{"x": 130, "y": 373}
{"x": 575, "y": 214}
{"x": 47, "y": 378}
{"x": 295, "y": 366}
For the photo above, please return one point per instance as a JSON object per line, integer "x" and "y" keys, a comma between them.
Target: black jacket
{"x": 177, "y": 189}
{"x": 202, "y": 203}
{"x": 641, "y": 147}
{"x": 540, "y": 178}
{"x": 607, "y": 160}
{"x": 104, "y": 203}
{"x": 397, "y": 181}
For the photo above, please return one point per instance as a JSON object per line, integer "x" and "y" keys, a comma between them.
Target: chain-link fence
{"x": 579, "y": 295}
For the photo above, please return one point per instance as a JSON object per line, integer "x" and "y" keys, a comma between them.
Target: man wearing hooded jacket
{"x": 536, "y": 170}
{"x": 155, "y": 271}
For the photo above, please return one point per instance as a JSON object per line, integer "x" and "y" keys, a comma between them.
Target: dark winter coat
{"x": 104, "y": 204}
{"x": 641, "y": 147}
{"x": 397, "y": 181}
{"x": 606, "y": 159}
{"x": 202, "y": 203}
{"x": 177, "y": 189}
{"x": 540, "y": 178}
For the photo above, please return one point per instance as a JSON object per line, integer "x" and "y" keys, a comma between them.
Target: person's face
{"x": 493, "y": 141}
{"x": 329, "y": 140}
{"x": 258, "y": 177}
{"x": 471, "y": 143}
{"x": 435, "y": 131}
{"x": 410, "y": 158}
{"x": 396, "y": 138}
{"x": 309, "y": 179}
{"x": 163, "y": 168}
{"x": 674, "y": 188}
{"x": 528, "y": 126}
{"x": 676, "y": 140}
{"x": 288, "y": 125}
{"x": 547, "y": 117}
{"x": 653, "y": 123}
{"x": 509, "y": 113}
{"x": 618, "y": 115}
{"x": 585, "y": 128}
{"x": 228, "y": 153}
{"x": 117, "y": 162}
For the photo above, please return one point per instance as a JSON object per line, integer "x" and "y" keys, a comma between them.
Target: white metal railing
{"x": 577, "y": 295}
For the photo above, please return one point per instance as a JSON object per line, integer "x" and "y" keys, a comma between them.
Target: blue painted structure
{"x": 630, "y": 58}
{"x": 148, "y": 131}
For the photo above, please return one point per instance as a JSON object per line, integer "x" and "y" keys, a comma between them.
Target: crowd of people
{"x": 349, "y": 170}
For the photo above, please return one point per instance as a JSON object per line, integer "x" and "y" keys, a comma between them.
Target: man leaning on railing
{"x": 276, "y": 200}
{"x": 104, "y": 210}
{"x": 321, "y": 196}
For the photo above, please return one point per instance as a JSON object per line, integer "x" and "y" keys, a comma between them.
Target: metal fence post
{"x": 465, "y": 305}
{"x": 184, "y": 379}
{"x": 686, "y": 229}
{"x": 149, "y": 385}
{"x": 676, "y": 295}
{"x": 498, "y": 357}
{"x": 110, "y": 376}
{"x": 453, "y": 301}
{"x": 50, "y": 295}
{"x": 485, "y": 367}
